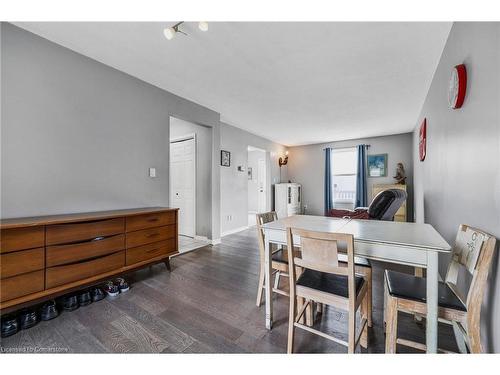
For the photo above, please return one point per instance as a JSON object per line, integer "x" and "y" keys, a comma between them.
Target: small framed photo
{"x": 377, "y": 165}
{"x": 225, "y": 158}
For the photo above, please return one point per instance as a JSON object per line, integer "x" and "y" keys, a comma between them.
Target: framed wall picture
{"x": 377, "y": 165}
{"x": 225, "y": 158}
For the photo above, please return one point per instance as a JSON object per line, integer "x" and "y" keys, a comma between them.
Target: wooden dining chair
{"x": 472, "y": 253}
{"x": 279, "y": 258}
{"x": 280, "y": 266}
{"x": 327, "y": 281}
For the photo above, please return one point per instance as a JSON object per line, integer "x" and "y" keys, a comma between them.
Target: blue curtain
{"x": 361, "y": 185}
{"x": 328, "y": 180}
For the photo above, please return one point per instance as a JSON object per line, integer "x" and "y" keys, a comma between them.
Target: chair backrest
{"x": 319, "y": 252}
{"x": 386, "y": 203}
{"x": 473, "y": 251}
{"x": 263, "y": 218}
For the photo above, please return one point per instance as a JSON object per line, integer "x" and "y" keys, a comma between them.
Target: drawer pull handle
{"x": 152, "y": 220}
{"x": 98, "y": 238}
{"x": 151, "y": 250}
{"x": 153, "y": 235}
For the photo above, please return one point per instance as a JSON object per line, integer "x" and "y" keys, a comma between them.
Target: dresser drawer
{"x": 21, "y": 238}
{"x": 152, "y": 250}
{"x": 74, "y": 232}
{"x": 150, "y": 220}
{"x": 21, "y": 285}
{"x": 60, "y": 275}
{"x": 63, "y": 254}
{"x": 145, "y": 236}
{"x": 19, "y": 262}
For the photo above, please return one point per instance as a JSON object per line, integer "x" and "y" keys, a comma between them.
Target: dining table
{"x": 412, "y": 244}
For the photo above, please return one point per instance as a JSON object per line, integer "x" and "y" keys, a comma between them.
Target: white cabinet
{"x": 288, "y": 199}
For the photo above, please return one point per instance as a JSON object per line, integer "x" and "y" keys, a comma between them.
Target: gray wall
{"x": 234, "y": 184}
{"x": 179, "y": 128}
{"x": 459, "y": 181}
{"x": 307, "y": 163}
{"x": 78, "y": 135}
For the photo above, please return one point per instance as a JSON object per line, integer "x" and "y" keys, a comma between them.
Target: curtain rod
{"x": 343, "y": 148}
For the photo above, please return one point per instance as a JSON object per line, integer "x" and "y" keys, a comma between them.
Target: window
{"x": 344, "y": 167}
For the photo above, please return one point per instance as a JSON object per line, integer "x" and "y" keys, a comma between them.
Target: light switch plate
{"x": 152, "y": 172}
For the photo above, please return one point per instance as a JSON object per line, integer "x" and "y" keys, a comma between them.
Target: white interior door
{"x": 261, "y": 185}
{"x": 183, "y": 184}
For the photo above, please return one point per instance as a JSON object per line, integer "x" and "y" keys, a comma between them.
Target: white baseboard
{"x": 232, "y": 231}
{"x": 205, "y": 239}
{"x": 202, "y": 238}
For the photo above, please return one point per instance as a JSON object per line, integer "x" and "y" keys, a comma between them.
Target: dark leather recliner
{"x": 383, "y": 207}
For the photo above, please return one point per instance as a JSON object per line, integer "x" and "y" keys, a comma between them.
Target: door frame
{"x": 182, "y": 138}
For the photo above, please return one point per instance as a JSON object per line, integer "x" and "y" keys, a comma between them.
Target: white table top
{"x": 371, "y": 231}
{"x": 308, "y": 222}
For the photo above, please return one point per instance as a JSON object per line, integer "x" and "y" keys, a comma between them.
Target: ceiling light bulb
{"x": 203, "y": 26}
{"x": 169, "y": 33}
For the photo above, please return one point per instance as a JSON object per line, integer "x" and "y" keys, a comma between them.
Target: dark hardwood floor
{"x": 205, "y": 305}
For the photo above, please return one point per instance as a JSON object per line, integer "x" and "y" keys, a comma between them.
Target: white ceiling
{"x": 294, "y": 82}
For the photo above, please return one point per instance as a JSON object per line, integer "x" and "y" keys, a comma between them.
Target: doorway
{"x": 183, "y": 182}
{"x": 257, "y": 182}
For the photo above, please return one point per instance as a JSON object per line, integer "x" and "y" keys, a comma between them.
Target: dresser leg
{"x": 167, "y": 264}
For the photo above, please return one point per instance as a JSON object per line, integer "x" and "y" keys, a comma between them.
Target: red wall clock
{"x": 422, "y": 140}
{"x": 458, "y": 86}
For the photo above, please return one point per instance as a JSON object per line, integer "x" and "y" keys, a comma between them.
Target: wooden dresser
{"x": 401, "y": 213}
{"x": 43, "y": 257}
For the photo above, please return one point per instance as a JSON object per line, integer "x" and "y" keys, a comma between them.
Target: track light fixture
{"x": 170, "y": 32}
{"x": 203, "y": 26}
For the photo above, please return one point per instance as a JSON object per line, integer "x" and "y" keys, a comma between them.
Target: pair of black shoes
{"x": 11, "y": 324}
{"x": 27, "y": 318}
{"x": 30, "y": 317}
{"x": 93, "y": 295}
{"x": 74, "y": 301}
{"x": 88, "y": 296}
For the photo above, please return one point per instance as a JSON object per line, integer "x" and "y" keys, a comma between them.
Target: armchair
{"x": 383, "y": 207}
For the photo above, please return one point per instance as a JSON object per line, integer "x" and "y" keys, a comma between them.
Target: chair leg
{"x": 473, "y": 331}
{"x": 460, "y": 339}
{"x": 277, "y": 280}
{"x": 369, "y": 296}
{"x": 419, "y": 272}
{"x": 291, "y": 326}
{"x": 260, "y": 287}
{"x": 384, "y": 312}
{"x": 391, "y": 333}
{"x": 352, "y": 331}
{"x": 309, "y": 313}
{"x": 364, "y": 314}
{"x": 300, "y": 303}
{"x": 319, "y": 308}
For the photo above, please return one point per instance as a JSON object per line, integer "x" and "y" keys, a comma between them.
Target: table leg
{"x": 432, "y": 302}
{"x": 269, "y": 284}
